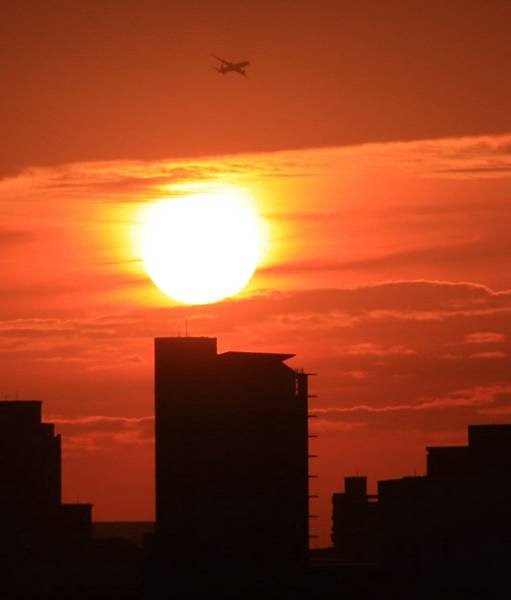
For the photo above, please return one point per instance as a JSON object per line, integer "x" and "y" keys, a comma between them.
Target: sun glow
{"x": 203, "y": 247}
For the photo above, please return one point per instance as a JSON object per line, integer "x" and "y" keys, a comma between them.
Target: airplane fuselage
{"x": 230, "y": 67}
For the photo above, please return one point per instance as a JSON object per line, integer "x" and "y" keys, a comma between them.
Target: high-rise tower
{"x": 31, "y": 512}
{"x": 231, "y": 458}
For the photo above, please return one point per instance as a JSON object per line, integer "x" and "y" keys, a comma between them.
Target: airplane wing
{"x": 225, "y": 62}
{"x": 240, "y": 65}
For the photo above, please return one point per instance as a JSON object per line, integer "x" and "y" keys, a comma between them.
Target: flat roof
{"x": 445, "y": 448}
{"x": 19, "y": 402}
{"x": 278, "y": 357}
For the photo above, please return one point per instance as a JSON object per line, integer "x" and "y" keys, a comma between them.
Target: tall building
{"x": 231, "y": 458}
{"x": 31, "y": 513}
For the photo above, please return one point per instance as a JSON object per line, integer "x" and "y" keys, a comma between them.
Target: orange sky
{"x": 129, "y": 79}
{"x": 374, "y": 139}
{"x": 386, "y": 273}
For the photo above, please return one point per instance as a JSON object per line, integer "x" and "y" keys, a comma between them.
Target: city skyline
{"x": 232, "y": 499}
{"x": 373, "y": 140}
{"x": 447, "y": 528}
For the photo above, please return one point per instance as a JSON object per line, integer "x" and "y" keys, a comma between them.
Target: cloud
{"x": 144, "y": 181}
{"x": 318, "y": 311}
{"x": 462, "y": 156}
{"x": 92, "y": 433}
{"x": 297, "y": 191}
{"x": 493, "y": 249}
{"x": 120, "y": 180}
{"x": 484, "y": 337}
{"x": 488, "y": 355}
{"x": 449, "y": 413}
{"x": 403, "y": 344}
{"x": 371, "y": 349}
{"x": 386, "y": 302}
{"x": 75, "y": 285}
{"x": 357, "y": 375}
{"x": 401, "y": 298}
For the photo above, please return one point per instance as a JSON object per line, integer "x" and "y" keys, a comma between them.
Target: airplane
{"x": 229, "y": 67}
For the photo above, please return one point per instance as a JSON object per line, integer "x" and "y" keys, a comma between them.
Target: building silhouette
{"x": 354, "y": 520}
{"x": 449, "y": 527}
{"x": 32, "y": 515}
{"x": 231, "y": 460}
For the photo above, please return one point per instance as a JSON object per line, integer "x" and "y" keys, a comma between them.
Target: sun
{"x": 203, "y": 247}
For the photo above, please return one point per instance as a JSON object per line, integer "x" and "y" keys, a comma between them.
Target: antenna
{"x": 186, "y": 327}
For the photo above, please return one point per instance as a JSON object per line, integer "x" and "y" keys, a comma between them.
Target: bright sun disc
{"x": 202, "y": 248}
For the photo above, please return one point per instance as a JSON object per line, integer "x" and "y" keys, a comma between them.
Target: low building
{"x": 450, "y": 527}
{"x": 354, "y": 527}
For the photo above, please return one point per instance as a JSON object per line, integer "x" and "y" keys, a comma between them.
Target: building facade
{"x": 231, "y": 458}
{"x": 451, "y": 526}
{"x": 32, "y": 516}
{"x": 354, "y": 522}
